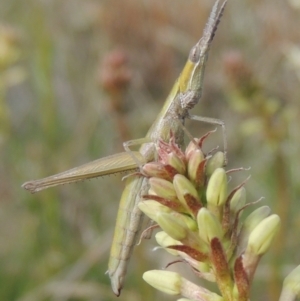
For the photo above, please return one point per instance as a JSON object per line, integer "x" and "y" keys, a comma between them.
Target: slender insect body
{"x": 184, "y": 95}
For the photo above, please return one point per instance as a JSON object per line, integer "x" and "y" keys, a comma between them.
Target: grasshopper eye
{"x": 195, "y": 53}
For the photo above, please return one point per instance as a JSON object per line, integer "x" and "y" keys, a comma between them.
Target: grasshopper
{"x": 184, "y": 95}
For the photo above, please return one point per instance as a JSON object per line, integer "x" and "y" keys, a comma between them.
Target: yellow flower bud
{"x": 195, "y": 158}
{"x": 152, "y": 208}
{"x": 164, "y": 240}
{"x": 184, "y": 188}
{"x": 249, "y": 224}
{"x": 238, "y": 200}
{"x": 172, "y": 226}
{"x": 261, "y": 237}
{"x": 216, "y": 161}
{"x": 291, "y": 287}
{"x": 163, "y": 188}
{"x": 216, "y": 193}
{"x": 209, "y": 226}
{"x": 165, "y": 281}
{"x": 176, "y": 162}
{"x": 173, "y": 284}
{"x": 187, "y": 220}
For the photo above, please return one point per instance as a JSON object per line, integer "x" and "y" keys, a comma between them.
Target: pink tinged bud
{"x": 173, "y": 205}
{"x": 165, "y": 149}
{"x": 195, "y": 169}
{"x": 209, "y": 226}
{"x": 187, "y": 194}
{"x": 291, "y": 286}
{"x": 191, "y": 148}
{"x": 263, "y": 234}
{"x": 163, "y": 188}
{"x": 216, "y": 193}
{"x": 216, "y": 161}
{"x": 171, "y": 171}
{"x": 152, "y": 208}
{"x": 176, "y": 162}
{"x": 156, "y": 169}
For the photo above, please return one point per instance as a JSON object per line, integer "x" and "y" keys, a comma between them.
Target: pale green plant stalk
{"x": 201, "y": 224}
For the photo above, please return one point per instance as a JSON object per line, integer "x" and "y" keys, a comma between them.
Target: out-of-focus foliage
{"x": 80, "y": 77}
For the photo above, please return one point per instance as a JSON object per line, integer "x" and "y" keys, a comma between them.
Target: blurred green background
{"x": 80, "y": 77}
